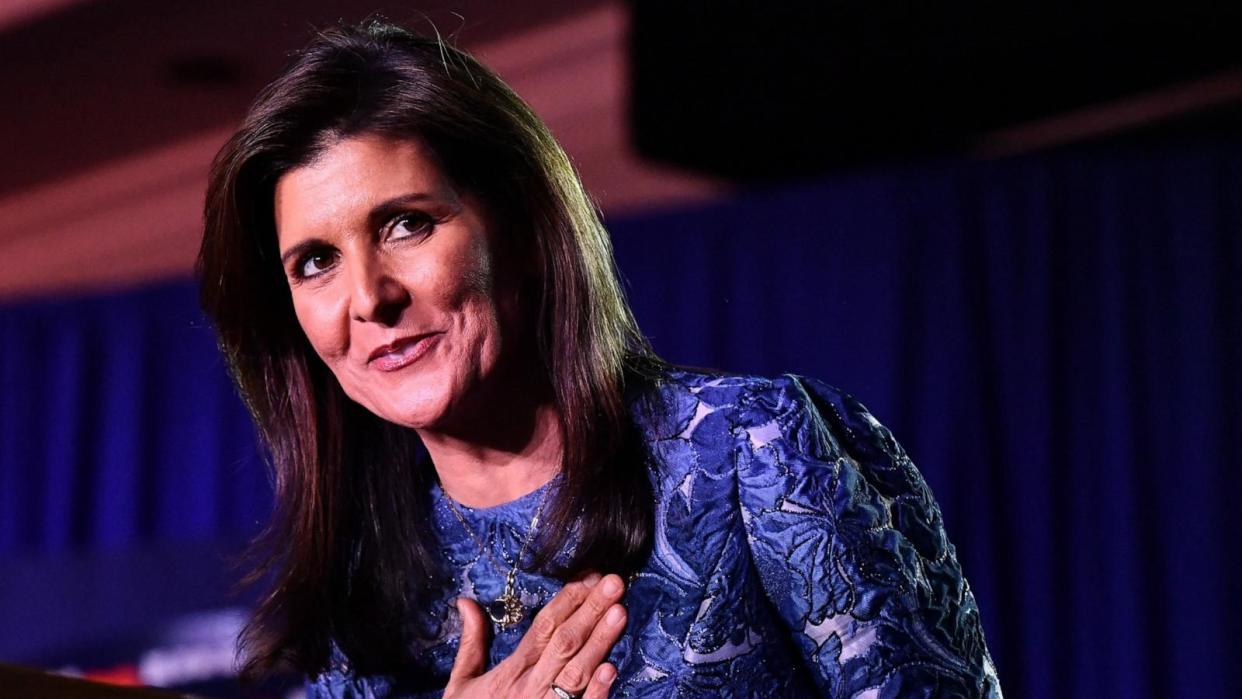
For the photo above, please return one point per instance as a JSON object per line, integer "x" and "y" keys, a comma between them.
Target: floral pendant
{"x": 507, "y": 610}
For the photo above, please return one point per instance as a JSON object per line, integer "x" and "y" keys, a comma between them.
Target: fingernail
{"x": 612, "y": 585}
{"x": 607, "y": 674}
{"x": 614, "y": 616}
{"x": 591, "y": 579}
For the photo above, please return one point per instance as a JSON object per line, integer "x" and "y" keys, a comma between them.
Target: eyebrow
{"x": 378, "y": 214}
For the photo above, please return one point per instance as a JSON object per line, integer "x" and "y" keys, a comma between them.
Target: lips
{"x": 402, "y": 352}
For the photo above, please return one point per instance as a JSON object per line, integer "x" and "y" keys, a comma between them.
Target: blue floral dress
{"x": 797, "y": 552}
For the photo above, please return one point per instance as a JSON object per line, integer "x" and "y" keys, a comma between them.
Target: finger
{"x": 545, "y": 623}
{"x": 601, "y": 682}
{"x": 569, "y": 638}
{"x": 471, "y": 658}
{"x": 578, "y": 671}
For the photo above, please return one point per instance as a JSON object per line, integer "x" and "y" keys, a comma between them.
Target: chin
{"x": 415, "y": 404}
{"x": 413, "y": 411}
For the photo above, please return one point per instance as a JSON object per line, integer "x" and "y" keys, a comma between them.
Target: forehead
{"x": 351, "y": 176}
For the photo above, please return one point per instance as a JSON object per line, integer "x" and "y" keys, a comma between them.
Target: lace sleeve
{"x": 339, "y": 681}
{"x": 852, "y": 552}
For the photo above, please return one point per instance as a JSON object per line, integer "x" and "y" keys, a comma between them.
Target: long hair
{"x": 348, "y": 551}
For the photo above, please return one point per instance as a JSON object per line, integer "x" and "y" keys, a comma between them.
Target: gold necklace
{"x": 507, "y": 609}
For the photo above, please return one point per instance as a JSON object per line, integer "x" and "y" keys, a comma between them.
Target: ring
{"x": 563, "y": 694}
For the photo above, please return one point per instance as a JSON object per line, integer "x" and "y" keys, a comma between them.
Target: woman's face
{"x": 395, "y": 280}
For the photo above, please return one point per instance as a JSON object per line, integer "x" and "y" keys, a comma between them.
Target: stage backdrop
{"x": 1056, "y": 339}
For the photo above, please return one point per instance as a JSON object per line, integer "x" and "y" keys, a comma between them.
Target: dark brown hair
{"x": 348, "y": 551}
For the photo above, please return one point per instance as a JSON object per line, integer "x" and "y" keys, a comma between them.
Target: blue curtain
{"x": 129, "y": 475}
{"x": 119, "y": 427}
{"x": 1055, "y": 339}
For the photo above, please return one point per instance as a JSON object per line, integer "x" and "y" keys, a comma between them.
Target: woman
{"x": 420, "y": 307}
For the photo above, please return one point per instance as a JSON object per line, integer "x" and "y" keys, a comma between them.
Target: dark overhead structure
{"x": 754, "y": 91}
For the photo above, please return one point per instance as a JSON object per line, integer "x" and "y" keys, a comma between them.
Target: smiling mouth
{"x": 402, "y": 353}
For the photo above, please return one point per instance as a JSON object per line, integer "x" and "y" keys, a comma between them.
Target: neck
{"x": 521, "y": 453}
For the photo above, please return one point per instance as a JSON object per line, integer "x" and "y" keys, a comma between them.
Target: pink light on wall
{"x": 138, "y": 219}
{"x": 14, "y": 12}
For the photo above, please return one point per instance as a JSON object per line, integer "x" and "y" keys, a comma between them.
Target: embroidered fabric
{"x": 798, "y": 552}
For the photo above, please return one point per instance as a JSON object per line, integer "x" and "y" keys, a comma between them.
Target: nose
{"x": 376, "y": 295}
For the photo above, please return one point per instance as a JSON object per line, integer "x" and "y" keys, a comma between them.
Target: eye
{"x": 409, "y": 225}
{"x": 315, "y": 263}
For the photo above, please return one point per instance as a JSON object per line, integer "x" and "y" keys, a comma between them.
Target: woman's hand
{"x": 566, "y": 645}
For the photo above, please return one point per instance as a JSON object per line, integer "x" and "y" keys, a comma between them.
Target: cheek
{"x": 471, "y": 271}
{"x": 480, "y": 319}
{"x": 464, "y": 284}
{"x": 320, "y": 318}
